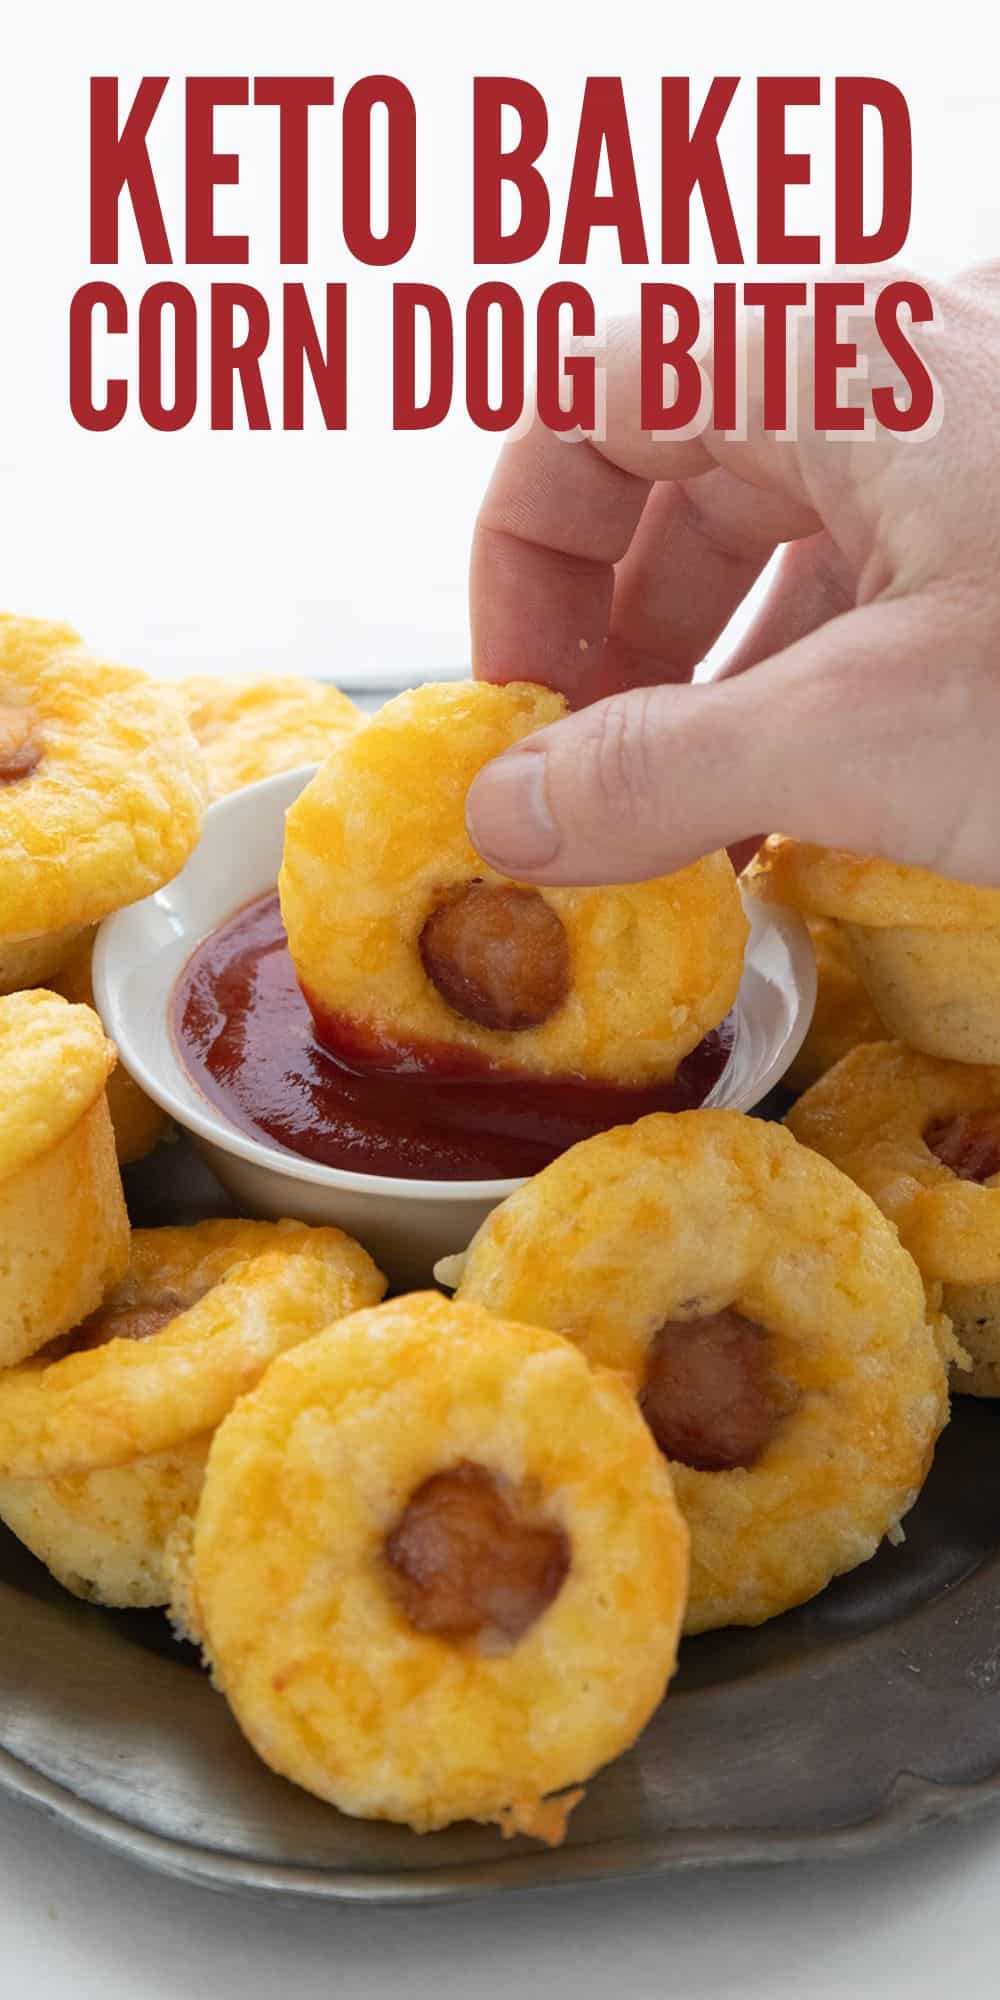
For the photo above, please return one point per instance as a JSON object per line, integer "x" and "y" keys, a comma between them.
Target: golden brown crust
{"x": 63, "y": 1227}
{"x": 252, "y": 729}
{"x": 255, "y": 1288}
{"x": 63, "y": 1236}
{"x": 926, "y": 949}
{"x": 870, "y": 1114}
{"x": 685, "y": 1215}
{"x": 331, "y": 1683}
{"x": 103, "y": 1534}
{"x": 378, "y": 838}
{"x": 863, "y": 889}
{"x": 54, "y": 1063}
{"x": 115, "y": 805}
{"x": 194, "y": 1322}
{"x": 38, "y": 961}
{"x": 939, "y": 989}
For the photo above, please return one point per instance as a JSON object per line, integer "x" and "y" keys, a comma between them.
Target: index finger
{"x": 558, "y": 517}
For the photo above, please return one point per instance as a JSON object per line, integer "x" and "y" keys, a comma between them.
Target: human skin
{"x": 862, "y": 706}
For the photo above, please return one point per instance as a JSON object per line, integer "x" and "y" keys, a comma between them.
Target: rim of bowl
{"x": 194, "y": 1113}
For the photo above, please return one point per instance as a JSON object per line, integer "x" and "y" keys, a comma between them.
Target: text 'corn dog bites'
{"x": 103, "y": 1438}
{"x": 403, "y": 938}
{"x": 927, "y": 949}
{"x": 253, "y": 729}
{"x": 922, "y": 1137}
{"x": 437, "y": 1568}
{"x": 102, "y": 792}
{"x": 63, "y": 1226}
{"x": 776, "y": 1333}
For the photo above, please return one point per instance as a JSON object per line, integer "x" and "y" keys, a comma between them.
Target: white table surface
{"x": 78, "y": 1924}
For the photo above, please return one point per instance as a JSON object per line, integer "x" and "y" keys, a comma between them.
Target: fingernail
{"x": 508, "y": 817}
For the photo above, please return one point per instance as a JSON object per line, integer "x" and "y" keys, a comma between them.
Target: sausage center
{"x": 20, "y": 743}
{"x": 117, "y": 1323}
{"x": 497, "y": 954}
{"x": 709, "y": 1397}
{"x": 969, "y": 1143}
{"x": 465, "y": 1560}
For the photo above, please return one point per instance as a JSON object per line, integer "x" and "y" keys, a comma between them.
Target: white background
{"x": 337, "y": 552}
{"x": 345, "y": 554}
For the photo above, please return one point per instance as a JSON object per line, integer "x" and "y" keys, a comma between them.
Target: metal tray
{"x": 871, "y": 1711}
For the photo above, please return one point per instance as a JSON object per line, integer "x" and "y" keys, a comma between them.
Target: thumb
{"x": 871, "y": 733}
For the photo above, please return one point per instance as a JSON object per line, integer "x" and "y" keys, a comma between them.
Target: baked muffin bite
{"x": 101, "y": 793}
{"x": 423, "y": 1598}
{"x": 408, "y": 945}
{"x": 252, "y": 729}
{"x": 764, "y": 1312}
{"x": 104, "y": 1436}
{"x": 63, "y": 1227}
{"x": 102, "y": 1534}
{"x": 138, "y": 1123}
{"x": 843, "y": 1016}
{"x": 927, "y": 949}
{"x": 922, "y": 1137}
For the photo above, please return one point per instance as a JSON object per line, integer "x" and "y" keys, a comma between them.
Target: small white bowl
{"x": 406, "y": 1224}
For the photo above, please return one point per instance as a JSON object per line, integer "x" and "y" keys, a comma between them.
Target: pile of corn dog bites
{"x": 439, "y": 1550}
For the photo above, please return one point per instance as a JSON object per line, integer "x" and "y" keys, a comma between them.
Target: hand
{"x": 862, "y": 708}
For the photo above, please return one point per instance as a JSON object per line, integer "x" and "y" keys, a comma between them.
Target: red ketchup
{"x": 246, "y": 1034}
